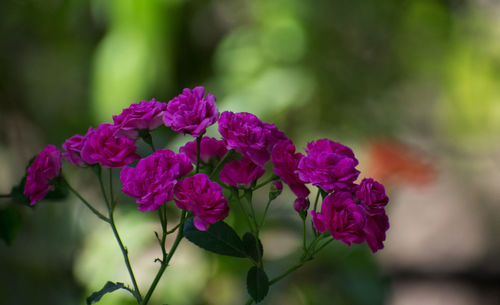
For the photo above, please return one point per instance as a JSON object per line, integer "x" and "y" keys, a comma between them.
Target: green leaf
{"x": 220, "y": 238}
{"x": 108, "y": 288}
{"x": 251, "y": 247}
{"x": 10, "y": 221}
{"x": 17, "y": 193}
{"x": 257, "y": 284}
{"x": 60, "y": 190}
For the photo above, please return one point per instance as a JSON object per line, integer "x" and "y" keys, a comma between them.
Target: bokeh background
{"x": 413, "y": 86}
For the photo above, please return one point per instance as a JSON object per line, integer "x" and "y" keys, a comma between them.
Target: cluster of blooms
{"x": 352, "y": 213}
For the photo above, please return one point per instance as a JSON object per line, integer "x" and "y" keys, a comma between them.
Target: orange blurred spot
{"x": 393, "y": 162}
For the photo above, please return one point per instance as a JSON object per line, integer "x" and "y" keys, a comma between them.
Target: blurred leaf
{"x": 220, "y": 238}
{"x": 250, "y": 245}
{"x": 17, "y": 193}
{"x": 60, "y": 190}
{"x": 10, "y": 221}
{"x": 108, "y": 288}
{"x": 257, "y": 284}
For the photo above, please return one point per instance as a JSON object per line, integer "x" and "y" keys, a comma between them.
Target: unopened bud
{"x": 301, "y": 204}
{"x": 276, "y": 189}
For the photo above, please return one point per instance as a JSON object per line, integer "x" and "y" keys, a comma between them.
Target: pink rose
{"x": 45, "y": 167}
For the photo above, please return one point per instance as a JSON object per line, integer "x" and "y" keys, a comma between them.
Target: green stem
{"x": 270, "y": 179}
{"x": 220, "y": 164}
{"x": 286, "y": 273}
{"x": 265, "y": 213}
{"x": 304, "y": 241}
{"x": 164, "y": 263}
{"x": 91, "y": 208}
{"x": 117, "y": 236}
{"x": 198, "y": 145}
{"x": 316, "y": 200}
{"x": 249, "y": 302}
{"x": 5, "y": 195}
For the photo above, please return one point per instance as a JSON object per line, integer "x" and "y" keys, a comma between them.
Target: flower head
{"x": 143, "y": 115}
{"x": 342, "y": 216}
{"x": 102, "y": 146}
{"x": 241, "y": 173}
{"x": 73, "y": 147}
{"x": 376, "y": 226}
{"x": 286, "y": 162}
{"x": 372, "y": 196}
{"x": 248, "y": 135}
{"x": 153, "y": 180}
{"x": 210, "y": 148}
{"x": 329, "y": 165}
{"x": 45, "y": 167}
{"x": 190, "y": 112}
{"x": 204, "y": 198}
{"x": 301, "y": 204}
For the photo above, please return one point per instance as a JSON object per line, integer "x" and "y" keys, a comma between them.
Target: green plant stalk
{"x": 220, "y": 164}
{"x": 88, "y": 205}
{"x": 307, "y": 256}
{"x": 165, "y": 261}
{"x": 117, "y": 237}
{"x": 270, "y": 179}
{"x": 248, "y": 197}
{"x": 198, "y": 145}
{"x": 265, "y": 212}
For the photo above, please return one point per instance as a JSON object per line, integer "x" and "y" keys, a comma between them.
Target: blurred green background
{"x": 413, "y": 86}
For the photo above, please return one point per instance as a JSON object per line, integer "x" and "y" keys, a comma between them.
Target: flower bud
{"x": 276, "y": 189}
{"x": 301, "y": 204}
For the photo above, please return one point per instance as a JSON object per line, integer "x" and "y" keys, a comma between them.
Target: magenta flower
{"x": 153, "y": 180}
{"x": 246, "y": 134}
{"x": 190, "y": 112}
{"x": 210, "y": 149}
{"x": 45, "y": 167}
{"x": 301, "y": 204}
{"x": 241, "y": 173}
{"x": 143, "y": 115}
{"x": 342, "y": 217}
{"x": 73, "y": 147}
{"x": 286, "y": 162}
{"x": 376, "y": 226}
{"x": 372, "y": 196}
{"x": 101, "y": 146}
{"x": 329, "y": 165}
{"x": 204, "y": 198}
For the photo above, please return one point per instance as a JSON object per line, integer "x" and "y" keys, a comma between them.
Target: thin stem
{"x": 118, "y": 239}
{"x": 323, "y": 245}
{"x": 173, "y": 229}
{"x": 284, "y": 274}
{"x": 270, "y": 179}
{"x": 220, "y": 164}
{"x": 265, "y": 213}
{"x": 91, "y": 208}
{"x": 245, "y": 213}
{"x": 316, "y": 200}
{"x": 304, "y": 241}
{"x": 125, "y": 257}
{"x": 249, "y": 302}
{"x": 5, "y": 195}
{"x": 198, "y": 145}
{"x": 164, "y": 263}
{"x": 315, "y": 206}
{"x": 111, "y": 195}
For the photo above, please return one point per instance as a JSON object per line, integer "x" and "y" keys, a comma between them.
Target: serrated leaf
{"x": 220, "y": 238}
{"x": 251, "y": 247}
{"x": 108, "y": 288}
{"x": 257, "y": 284}
{"x": 10, "y": 221}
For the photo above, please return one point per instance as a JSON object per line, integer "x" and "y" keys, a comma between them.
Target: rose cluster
{"x": 352, "y": 213}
